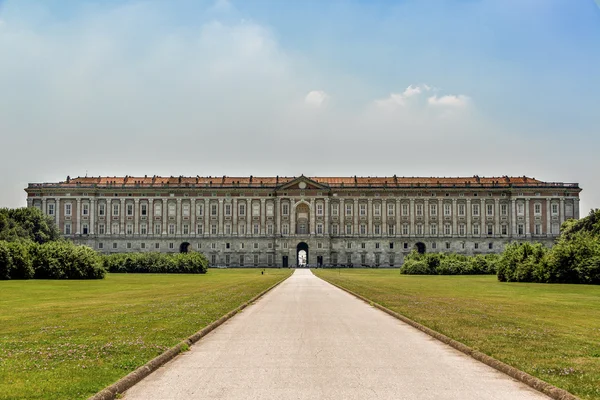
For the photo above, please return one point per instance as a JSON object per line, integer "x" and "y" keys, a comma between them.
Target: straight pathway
{"x": 307, "y": 339}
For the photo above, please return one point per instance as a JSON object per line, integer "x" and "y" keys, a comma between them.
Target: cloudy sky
{"x": 271, "y": 87}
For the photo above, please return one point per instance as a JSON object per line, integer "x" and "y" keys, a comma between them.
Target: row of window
{"x": 185, "y": 209}
{"x": 377, "y": 229}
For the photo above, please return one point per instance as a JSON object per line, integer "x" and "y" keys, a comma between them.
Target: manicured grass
{"x": 70, "y": 339}
{"x": 549, "y": 331}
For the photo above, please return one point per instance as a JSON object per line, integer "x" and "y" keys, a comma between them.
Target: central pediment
{"x": 302, "y": 183}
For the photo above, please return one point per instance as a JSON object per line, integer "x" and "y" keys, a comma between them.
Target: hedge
{"x": 178, "y": 263}
{"x": 52, "y": 260}
{"x": 448, "y": 264}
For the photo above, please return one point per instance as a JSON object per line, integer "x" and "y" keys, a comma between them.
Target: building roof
{"x": 277, "y": 181}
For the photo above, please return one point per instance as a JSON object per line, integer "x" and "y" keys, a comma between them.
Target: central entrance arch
{"x": 184, "y": 247}
{"x": 302, "y": 255}
{"x": 420, "y": 246}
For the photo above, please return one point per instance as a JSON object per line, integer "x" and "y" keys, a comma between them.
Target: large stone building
{"x": 277, "y": 221}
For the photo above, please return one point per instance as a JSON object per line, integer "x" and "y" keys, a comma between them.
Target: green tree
{"x": 20, "y": 224}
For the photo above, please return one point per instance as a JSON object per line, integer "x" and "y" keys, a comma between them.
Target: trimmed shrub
{"x": 22, "y": 267}
{"x": 5, "y": 261}
{"x": 448, "y": 264}
{"x": 156, "y": 263}
{"x": 415, "y": 267}
{"x": 64, "y": 260}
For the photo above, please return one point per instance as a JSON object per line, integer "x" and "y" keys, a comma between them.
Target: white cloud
{"x": 316, "y": 98}
{"x": 400, "y": 99}
{"x": 449, "y": 100}
{"x": 222, "y": 6}
{"x": 412, "y": 91}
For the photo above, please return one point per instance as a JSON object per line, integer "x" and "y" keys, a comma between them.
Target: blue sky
{"x": 232, "y": 87}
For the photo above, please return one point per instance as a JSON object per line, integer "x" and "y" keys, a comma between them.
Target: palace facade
{"x": 270, "y": 221}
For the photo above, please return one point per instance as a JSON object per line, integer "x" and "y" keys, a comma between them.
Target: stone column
{"x": 548, "y": 230}
{"x": 576, "y": 208}
{"x": 57, "y": 214}
{"x": 292, "y": 218}
{"x": 369, "y": 217}
{"x": 454, "y": 218}
{"x": 411, "y": 212}
{"x": 440, "y": 217}
{"x": 384, "y": 213}
{"x": 513, "y": 217}
{"x": 122, "y": 217}
{"x": 206, "y": 228}
{"x": 248, "y": 216}
{"x": 398, "y": 218}
{"x": 469, "y": 231}
{"x": 193, "y": 219}
{"x": 527, "y": 222}
{"x": 497, "y": 217}
{"x": 426, "y": 218}
{"x": 220, "y": 228}
{"x": 326, "y": 223}
{"x": 178, "y": 212}
{"x": 77, "y": 214}
{"x": 165, "y": 216}
{"x": 562, "y": 210}
{"x": 342, "y": 213}
{"x": 136, "y": 216}
{"x": 234, "y": 211}
{"x": 262, "y": 229}
{"x": 29, "y": 202}
{"x": 356, "y": 211}
{"x": 312, "y": 216}
{"x": 92, "y": 216}
{"x": 151, "y": 216}
{"x": 44, "y": 208}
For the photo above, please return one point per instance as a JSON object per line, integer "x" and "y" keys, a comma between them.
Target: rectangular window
{"x": 185, "y": 210}
{"x": 157, "y": 245}
{"x": 490, "y": 229}
{"x": 255, "y": 229}
{"x": 255, "y": 209}
{"x": 520, "y": 229}
{"x": 447, "y": 210}
{"x": 334, "y": 229}
{"x": 130, "y": 229}
{"x": 363, "y": 209}
{"x": 142, "y": 245}
{"x": 404, "y": 209}
{"x": 538, "y": 229}
{"x": 554, "y": 209}
{"x": 228, "y": 209}
{"x": 172, "y": 209}
{"x": 319, "y": 229}
{"x": 377, "y": 229}
{"x": 285, "y": 229}
{"x": 143, "y": 209}
{"x": 129, "y": 209}
{"x": 348, "y": 209}
{"x": 335, "y": 209}
{"x": 115, "y": 229}
{"x": 447, "y": 229}
{"x": 461, "y": 210}
{"x": 363, "y": 229}
{"x": 377, "y": 209}
{"x": 242, "y": 229}
{"x": 363, "y": 245}
{"x": 490, "y": 246}
{"x": 241, "y": 260}
{"x": 213, "y": 229}
{"x": 504, "y": 228}
{"x": 129, "y": 245}
{"x": 242, "y": 210}
{"x": 490, "y": 209}
{"x": 391, "y": 229}
{"x": 434, "y": 245}
{"x": 419, "y": 228}
{"x": 390, "y": 209}
{"x": 67, "y": 229}
{"x": 348, "y": 229}
{"x": 68, "y": 209}
{"x": 319, "y": 208}
{"x": 448, "y": 245}
{"x": 114, "y": 245}
{"x": 419, "y": 210}
{"x": 85, "y": 229}
{"x": 51, "y": 209}
{"x": 200, "y": 229}
{"x": 85, "y": 209}
{"x": 349, "y": 245}
{"x": 363, "y": 259}
{"x": 100, "y": 245}
{"x": 213, "y": 259}
{"x": 143, "y": 229}
{"x": 101, "y": 229}
{"x": 115, "y": 208}
{"x": 476, "y": 245}
{"x": 405, "y": 229}
{"x": 157, "y": 209}
{"x": 520, "y": 208}
{"x": 476, "y": 229}
{"x": 461, "y": 230}
{"x": 285, "y": 209}
{"x": 213, "y": 209}
{"x": 504, "y": 209}
{"x": 199, "y": 209}
{"x": 433, "y": 210}
{"x": 171, "y": 229}
{"x": 157, "y": 229}
{"x": 186, "y": 229}
{"x": 377, "y": 245}
{"x": 255, "y": 260}
{"x": 433, "y": 229}
{"x": 102, "y": 209}
{"x": 475, "y": 210}
{"x": 270, "y": 229}
{"x": 537, "y": 209}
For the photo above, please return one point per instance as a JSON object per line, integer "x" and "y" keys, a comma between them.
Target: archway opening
{"x": 302, "y": 255}
{"x": 420, "y": 247}
{"x": 184, "y": 247}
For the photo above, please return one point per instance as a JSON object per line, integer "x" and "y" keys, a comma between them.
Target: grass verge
{"x": 549, "y": 331}
{"x": 70, "y": 339}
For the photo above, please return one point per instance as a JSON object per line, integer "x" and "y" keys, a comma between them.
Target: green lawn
{"x": 70, "y": 339}
{"x": 549, "y": 331}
